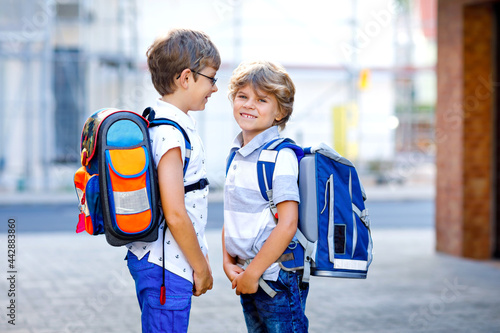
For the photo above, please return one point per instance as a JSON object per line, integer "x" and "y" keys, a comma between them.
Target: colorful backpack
{"x": 333, "y": 237}
{"x": 117, "y": 184}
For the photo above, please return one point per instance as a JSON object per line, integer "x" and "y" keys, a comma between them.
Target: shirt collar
{"x": 170, "y": 111}
{"x": 257, "y": 142}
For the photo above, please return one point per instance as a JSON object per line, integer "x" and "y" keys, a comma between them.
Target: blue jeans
{"x": 173, "y": 316}
{"x": 283, "y": 313}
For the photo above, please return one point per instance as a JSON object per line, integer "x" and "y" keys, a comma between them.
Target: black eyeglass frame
{"x": 213, "y": 79}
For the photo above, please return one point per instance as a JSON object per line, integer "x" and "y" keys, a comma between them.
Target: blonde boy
{"x": 262, "y": 95}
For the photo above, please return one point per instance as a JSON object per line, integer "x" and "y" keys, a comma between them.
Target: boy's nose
{"x": 215, "y": 88}
{"x": 249, "y": 104}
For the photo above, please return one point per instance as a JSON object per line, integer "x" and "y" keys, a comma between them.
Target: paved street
{"x": 62, "y": 217}
{"x": 66, "y": 282}
{"x": 75, "y": 283}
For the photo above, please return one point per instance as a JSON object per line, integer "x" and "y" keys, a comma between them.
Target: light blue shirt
{"x": 248, "y": 221}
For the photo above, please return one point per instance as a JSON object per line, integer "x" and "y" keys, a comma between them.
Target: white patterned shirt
{"x": 164, "y": 138}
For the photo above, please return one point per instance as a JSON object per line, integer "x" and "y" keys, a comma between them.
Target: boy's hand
{"x": 232, "y": 271}
{"x": 246, "y": 283}
{"x": 202, "y": 282}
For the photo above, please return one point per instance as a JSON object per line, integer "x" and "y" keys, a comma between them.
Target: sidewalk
{"x": 77, "y": 283}
{"x": 385, "y": 192}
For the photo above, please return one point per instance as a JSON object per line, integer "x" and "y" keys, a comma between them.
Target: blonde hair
{"x": 178, "y": 50}
{"x": 268, "y": 77}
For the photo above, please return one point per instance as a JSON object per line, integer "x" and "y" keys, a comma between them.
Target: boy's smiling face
{"x": 255, "y": 111}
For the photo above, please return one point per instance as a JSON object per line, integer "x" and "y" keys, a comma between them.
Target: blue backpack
{"x": 333, "y": 237}
{"x": 117, "y": 185}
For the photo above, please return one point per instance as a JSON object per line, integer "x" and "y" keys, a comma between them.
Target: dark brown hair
{"x": 178, "y": 50}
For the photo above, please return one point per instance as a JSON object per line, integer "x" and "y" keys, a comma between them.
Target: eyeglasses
{"x": 213, "y": 79}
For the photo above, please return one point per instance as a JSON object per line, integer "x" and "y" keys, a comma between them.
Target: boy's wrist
{"x": 252, "y": 274}
{"x": 202, "y": 268}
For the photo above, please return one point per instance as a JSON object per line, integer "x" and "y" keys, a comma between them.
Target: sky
{"x": 291, "y": 32}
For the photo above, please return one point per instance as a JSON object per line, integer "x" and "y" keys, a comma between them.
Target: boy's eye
{"x": 263, "y": 100}
{"x": 241, "y": 96}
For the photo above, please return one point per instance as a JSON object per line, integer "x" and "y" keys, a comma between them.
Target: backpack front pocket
{"x": 130, "y": 203}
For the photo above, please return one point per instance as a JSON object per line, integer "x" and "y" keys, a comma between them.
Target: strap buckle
{"x": 203, "y": 183}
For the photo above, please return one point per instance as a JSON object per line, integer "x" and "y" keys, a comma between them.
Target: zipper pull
{"x": 163, "y": 294}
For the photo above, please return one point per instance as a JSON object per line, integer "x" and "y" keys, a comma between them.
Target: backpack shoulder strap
{"x": 230, "y": 159}
{"x": 267, "y": 162}
{"x": 149, "y": 114}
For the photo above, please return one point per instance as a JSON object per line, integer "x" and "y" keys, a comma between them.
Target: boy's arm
{"x": 228, "y": 262}
{"x": 273, "y": 248}
{"x": 171, "y": 180}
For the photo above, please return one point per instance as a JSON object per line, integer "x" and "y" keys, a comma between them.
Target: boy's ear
{"x": 279, "y": 115}
{"x": 184, "y": 78}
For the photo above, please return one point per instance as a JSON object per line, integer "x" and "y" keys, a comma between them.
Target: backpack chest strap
{"x": 199, "y": 185}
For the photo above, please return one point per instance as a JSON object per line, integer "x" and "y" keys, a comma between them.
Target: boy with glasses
{"x": 183, "y": 66}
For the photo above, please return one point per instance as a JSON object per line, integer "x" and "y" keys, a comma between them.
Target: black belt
{"x": 199, "y": 185}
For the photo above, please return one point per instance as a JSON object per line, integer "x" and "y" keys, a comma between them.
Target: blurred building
{"x": 364, "y": 72}
{"x": 468, "y": 128}
{"x": 58, "y": 60}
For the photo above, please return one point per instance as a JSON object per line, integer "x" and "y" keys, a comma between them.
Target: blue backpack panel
{"x": 332, "y": 214}
{"x": 334, "y": 228}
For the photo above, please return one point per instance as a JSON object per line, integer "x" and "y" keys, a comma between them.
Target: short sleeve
{"x": 163, "y": 139}
{"x": 285, "y": 178}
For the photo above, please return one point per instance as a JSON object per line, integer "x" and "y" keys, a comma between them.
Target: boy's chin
{"x": 200, "y": 108}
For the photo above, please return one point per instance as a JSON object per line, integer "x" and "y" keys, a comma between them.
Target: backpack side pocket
{"x": 94, "y": 225}
{"x": 80, "y": 179}
{"x": 89, "y": 202}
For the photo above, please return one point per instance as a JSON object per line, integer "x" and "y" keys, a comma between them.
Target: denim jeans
{"x": 283, "y": 313}
{"x": 173, "y": 316}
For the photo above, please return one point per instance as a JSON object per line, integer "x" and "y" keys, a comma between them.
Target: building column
{"x": 464, "y": 128}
